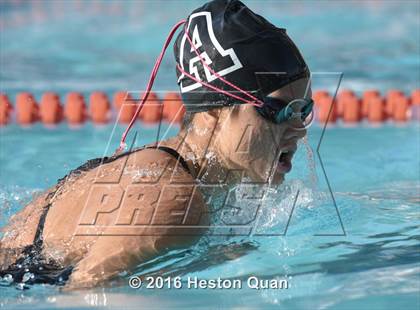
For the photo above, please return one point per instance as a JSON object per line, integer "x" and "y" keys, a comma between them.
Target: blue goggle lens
{"x": 279, "y": 111}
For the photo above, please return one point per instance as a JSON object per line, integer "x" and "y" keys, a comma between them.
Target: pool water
{"x": 376, "y": 186}
{"x": 361, "y": 253}
{"x": 111, "y": 45}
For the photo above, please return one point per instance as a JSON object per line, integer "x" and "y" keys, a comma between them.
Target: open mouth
{"x": 285, "y": 161}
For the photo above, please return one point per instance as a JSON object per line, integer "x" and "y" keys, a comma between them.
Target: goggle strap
{"x": 149, "y": 84}
{"x": 203, "y": 62}
{"x": 255, "y": 101}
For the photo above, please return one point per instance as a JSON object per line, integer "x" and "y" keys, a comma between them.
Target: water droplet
{"x": 123, "y": 273}
{"x": 27, "y": 276}
{"x": 7, "y": 279}
{"x": 21, "y": 286}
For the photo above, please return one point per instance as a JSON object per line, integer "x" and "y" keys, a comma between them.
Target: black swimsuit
{"x": 31, "y": 267}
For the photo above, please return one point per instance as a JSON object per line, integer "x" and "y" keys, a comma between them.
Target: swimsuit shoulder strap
{"x": 174, "y": 154}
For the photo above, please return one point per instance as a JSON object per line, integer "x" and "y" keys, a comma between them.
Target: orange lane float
{"x": 415, "y": 97}
{"x": 318, "y": 94}
{"x": 342, "y": 97}
{"x": 346, "y": 93}
{"x": 124, "y": 106}
{"x": 50, "y": 110}
{"x": 376, "y": 109}
{"x": 326, "y": 110}
{"x": 5, "y": 109}
{"x": 173, "y": 108}
{"x": 392, "y": 96}
{"x": 348, "y": 106}
{"x": 151, "y": 111}
{"x": 75, "y": 108}
{"x": 400, "y": 110}
{"x": 367, "y": 97}
{"x": 99, "y": 107}
{"x": 352, "y": 110}
{"x": 415, "y": 104}
{"x": 27, "y": 108}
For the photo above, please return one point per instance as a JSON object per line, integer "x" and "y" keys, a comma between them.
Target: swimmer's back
{"x": 143, "y": 174}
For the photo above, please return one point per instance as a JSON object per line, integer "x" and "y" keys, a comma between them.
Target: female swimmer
{"x": 238, "y": 75}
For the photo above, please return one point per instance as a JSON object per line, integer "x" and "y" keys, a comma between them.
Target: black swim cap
{"x": 239, "y": 45}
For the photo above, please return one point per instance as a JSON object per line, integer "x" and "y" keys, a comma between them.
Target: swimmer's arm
{"x": 114, "y": 254}
{"x": 21, "y": 229}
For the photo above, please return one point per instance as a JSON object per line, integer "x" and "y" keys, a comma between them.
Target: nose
{"x": 294, "y": 133}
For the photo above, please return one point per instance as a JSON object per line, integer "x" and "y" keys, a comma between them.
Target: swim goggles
{"x": 279, "y": 111}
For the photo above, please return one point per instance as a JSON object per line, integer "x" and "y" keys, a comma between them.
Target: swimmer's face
{"x": 263, "y": 149}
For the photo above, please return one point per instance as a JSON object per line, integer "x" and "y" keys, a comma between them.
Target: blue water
{"x": 371, "y": 262}
{"x": 85, "y": 46}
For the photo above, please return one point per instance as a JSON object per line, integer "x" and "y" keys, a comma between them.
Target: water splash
{"x": 313, "y": 179}
{"x": 12, "y": 199}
